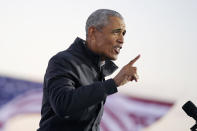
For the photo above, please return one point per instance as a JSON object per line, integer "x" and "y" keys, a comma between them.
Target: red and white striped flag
{"x": 122, "y": 113}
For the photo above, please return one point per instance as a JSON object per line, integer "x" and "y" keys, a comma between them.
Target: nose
{"x": 121, "y": 39}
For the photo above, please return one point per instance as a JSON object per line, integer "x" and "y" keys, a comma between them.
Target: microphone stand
{"x": 193, "y": 128}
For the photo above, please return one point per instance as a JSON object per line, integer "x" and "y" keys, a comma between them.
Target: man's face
{"x": 109, "y": 40}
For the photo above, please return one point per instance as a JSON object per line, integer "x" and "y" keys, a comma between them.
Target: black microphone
{"x": 190, "y": 109}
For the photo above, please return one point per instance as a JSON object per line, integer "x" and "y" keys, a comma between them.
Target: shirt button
{"x": 66, "y": 117}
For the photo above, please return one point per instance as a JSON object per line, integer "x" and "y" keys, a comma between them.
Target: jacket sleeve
{"x": 64, "y": 97}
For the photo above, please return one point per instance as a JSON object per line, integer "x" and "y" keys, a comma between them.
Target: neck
{"x": 91, "y": 47}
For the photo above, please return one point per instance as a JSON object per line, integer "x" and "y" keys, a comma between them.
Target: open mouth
{"x": 117, "y": 49}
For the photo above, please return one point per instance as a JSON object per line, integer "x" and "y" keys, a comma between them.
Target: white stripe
{"x": 140, "y": 108}
{"x": 34, "y": 105}
{"x": 110, "y": 123}
{"x": 124, "y": 118}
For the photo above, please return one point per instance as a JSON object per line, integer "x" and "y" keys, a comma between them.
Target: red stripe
{"x": 1, "y": 124}
{"x": 169, "y": 104}
{"x": 115, "y": 117}
{"x": 24, "y": 103}
{"x": 104, "y": 127}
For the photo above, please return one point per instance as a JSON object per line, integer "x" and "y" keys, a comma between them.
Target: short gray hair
{"x": 99, "y": 18}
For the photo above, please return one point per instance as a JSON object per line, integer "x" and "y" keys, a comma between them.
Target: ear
{"x": 91, "y": 32}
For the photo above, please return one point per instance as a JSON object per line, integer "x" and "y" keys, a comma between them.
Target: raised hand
{"x": 127, "y": 73}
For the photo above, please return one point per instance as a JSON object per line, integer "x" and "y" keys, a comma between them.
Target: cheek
{"x": 106, "y": 43}
{"x": 111, "y": 42}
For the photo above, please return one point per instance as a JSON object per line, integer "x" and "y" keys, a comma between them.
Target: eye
{"x": 123, "y": 33}
{"x": 119, "y": 32}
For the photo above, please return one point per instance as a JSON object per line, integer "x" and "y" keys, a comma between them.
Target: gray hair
{"x": 99, "y": 18}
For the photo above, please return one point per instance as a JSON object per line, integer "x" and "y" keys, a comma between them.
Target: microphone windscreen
{"x": 190, "y": 109}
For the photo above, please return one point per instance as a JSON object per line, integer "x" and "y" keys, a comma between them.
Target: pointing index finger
{"x": 134, "y": 60}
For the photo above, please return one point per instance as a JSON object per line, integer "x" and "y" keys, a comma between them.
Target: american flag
{"x": 121, "y": 113}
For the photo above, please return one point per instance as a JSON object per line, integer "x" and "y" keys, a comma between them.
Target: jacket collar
{"x": 108, "y": 68}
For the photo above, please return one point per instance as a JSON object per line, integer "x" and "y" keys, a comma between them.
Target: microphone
{"x": 190, "y": 109}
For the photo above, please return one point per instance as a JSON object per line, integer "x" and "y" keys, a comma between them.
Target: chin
{"x": 110, "y": 57}
{"x": 113, "y": 57}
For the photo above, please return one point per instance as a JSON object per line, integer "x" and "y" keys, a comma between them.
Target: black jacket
{"x": 75, "y": 90}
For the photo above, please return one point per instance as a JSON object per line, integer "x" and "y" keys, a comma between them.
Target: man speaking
{"x": 75, "y": 89}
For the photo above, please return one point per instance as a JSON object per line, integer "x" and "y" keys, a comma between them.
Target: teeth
{"x": 117, "y": 49}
